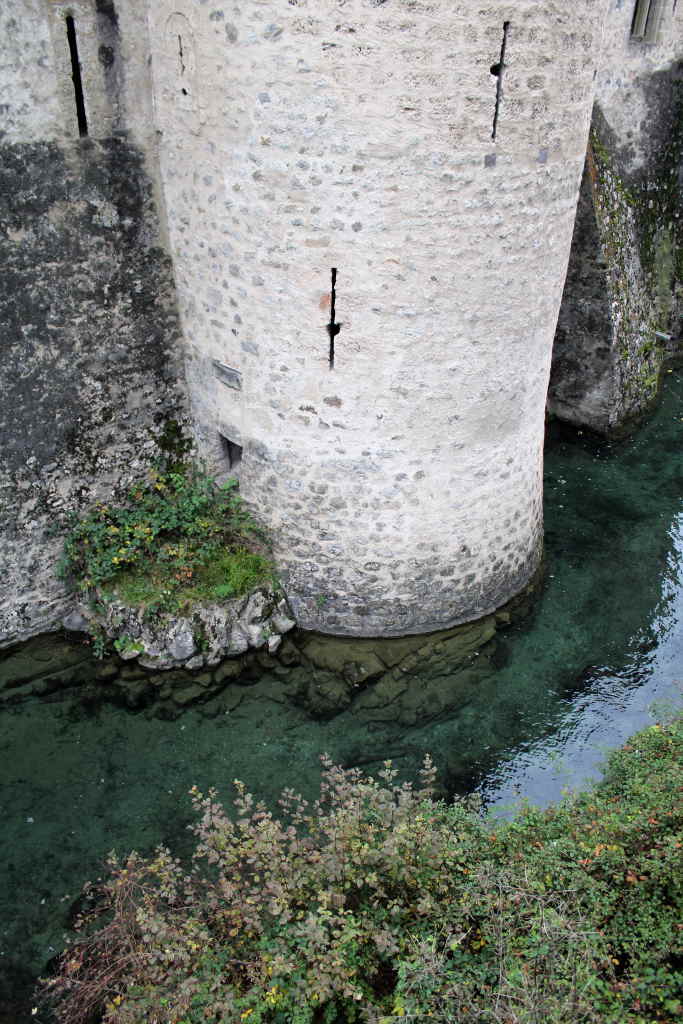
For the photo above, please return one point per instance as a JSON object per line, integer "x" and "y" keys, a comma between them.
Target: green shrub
{"x": 381, "y": 904}
{"x": 178, "y": 538}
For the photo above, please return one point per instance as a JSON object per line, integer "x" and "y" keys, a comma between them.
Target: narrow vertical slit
{"x": 333, "y": 328}
{"x": 76, "y": 76}
{"x": 181, "y": 57}
{"x": 497, "y": 70}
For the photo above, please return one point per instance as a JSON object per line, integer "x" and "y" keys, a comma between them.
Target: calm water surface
{"x": 601, "y": 655}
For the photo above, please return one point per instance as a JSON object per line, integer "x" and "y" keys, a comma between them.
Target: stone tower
{"x": 362, "y": 211}
{"x": 370, "y": 207}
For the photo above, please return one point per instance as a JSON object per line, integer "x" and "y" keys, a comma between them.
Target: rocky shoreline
{"x": 406, "y": 680}
{"x": 194, "y": 641}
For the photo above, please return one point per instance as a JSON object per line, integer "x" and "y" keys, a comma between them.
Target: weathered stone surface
{"x": 75, "y": 622}
{"x": 273, "y": 643}
{"x": 353, "y": 658}
{"x": 361, "y": 661}
{"x": 188, "y": 694}
{"x": 238, "y": 641}
{"x": 282, "y": 623}
{"x": 402, "y": 680}
{"x": 401, "y": 485}
{"x": 91, "y": 356}
{"x": 227, "y": 670}
{"x": 210, "y": 633}
{"x": 130, "y": 672}
{"x": 402, "y": 479}
{"x": 106, "y": 671}
{"x": 181, "y": 643}
{"x": 621, "y": 310}
{"x": 137, "y": 693}
{"x": 60, "y": 660}
{"x": 323, "y": 694}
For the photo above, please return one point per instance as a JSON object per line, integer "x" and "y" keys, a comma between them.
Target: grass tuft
{"x": 176, "y": 540}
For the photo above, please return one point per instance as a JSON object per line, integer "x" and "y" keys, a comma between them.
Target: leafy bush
{"x": 381, "y": 904}
{"x": 178, "y": 538}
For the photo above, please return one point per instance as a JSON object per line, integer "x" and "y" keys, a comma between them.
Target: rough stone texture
{"x": 621, "y": 309}
{"x": 610, "y": 340}
{"x": 29, "y": 105}
{"x": 36, "y": 88}
{"x": 403, "y": 486}
{"x": 402, "y": 680}
{"x": 212, "y": 633}
{"x": 53, "y": 670}
{"x": 90, "y": 361}
{"x": 410, "y": 678}
{"x": 91, "y": 355}
{"x": 630, "y": 89}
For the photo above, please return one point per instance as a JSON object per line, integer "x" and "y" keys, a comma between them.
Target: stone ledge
{"x": 201, "y": 639}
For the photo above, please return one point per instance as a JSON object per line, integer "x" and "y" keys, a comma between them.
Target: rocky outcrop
{"x": 201, "y": 639}
{"x": 405, "y": 681}
{"x": 54, "y": 669}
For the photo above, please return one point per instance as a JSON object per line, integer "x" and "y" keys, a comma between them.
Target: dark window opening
{"x": 647, "y": 19}
{"x": 76, "y": 76}
{"x": 640, "y": 13}
{"x": 231, "y": 451}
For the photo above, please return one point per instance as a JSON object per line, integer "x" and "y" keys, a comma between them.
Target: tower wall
{"x": 402, "y": 485}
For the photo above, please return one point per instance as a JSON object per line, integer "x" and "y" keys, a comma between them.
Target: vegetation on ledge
{"x": 177, "y": 540}
{"x": 381, "y": 904}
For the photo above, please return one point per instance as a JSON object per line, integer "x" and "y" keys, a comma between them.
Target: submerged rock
{"x": 404, "y": 680}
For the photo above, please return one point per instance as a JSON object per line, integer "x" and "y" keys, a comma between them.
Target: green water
{"x": 602, "y": 646}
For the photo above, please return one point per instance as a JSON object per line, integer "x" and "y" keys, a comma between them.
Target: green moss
{"x": 655, "y": 202}
{"x": 600, "y": 151}
{"x": 175, "y": 446}
{"x": 126, "y": 645}
{"x": 177, "y": 540}
{"x": 226, "y": 575}
{"x": 636, "y": 222}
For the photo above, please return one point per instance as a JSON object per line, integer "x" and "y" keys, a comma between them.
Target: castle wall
{"x": 621, "y": 311}
{"x": 633, "y": 87}
{"x": 89, "y": 372}
{"x": 402, "y": 485}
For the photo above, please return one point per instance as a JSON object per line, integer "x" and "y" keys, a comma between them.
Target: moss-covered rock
{"x": 621, "y": 309}
{"x": 204, "y": 637}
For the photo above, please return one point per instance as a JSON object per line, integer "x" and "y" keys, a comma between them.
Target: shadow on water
{"x": 530, "y": 712}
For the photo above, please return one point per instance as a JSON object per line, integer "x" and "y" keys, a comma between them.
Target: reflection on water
{"x": 531, "y": 713}
{"x": 611, "y": 699}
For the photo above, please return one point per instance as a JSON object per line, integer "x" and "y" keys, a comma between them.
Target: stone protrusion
{"x": 203, "y": 637}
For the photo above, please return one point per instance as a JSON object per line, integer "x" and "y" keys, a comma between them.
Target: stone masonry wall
{"x": 403, "y": 484}
{"x": 621, "y": 310}
{"x": 90, "y": 369}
